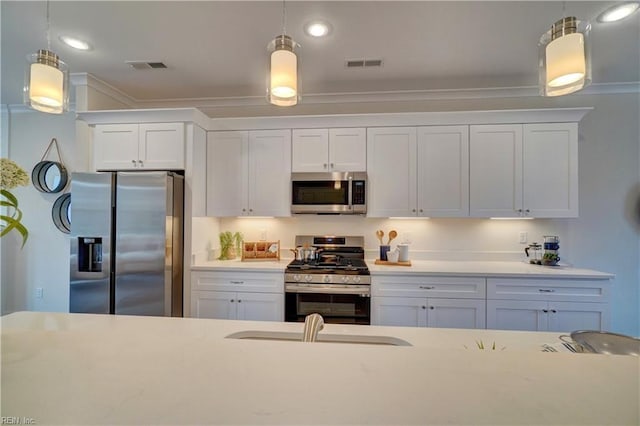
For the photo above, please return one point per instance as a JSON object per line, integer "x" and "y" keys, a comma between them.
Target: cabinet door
{"x": 529, "y": 315}
{"x": 443, "y": 171}
{"x": 495, "y": 170}
{"x": 270, "y": 173}
{"x": 348, "y": 150}
{"x": 391, "y": 170}
{"x": 161, "y": 146}
{"x": 310, "y": 150}
{"x": 227, "y": 172}
{"x": 399, "y": 311}
{"x": 260, "y": 307}
{"x": 456, "y": 313}
{"x": 213, "y": 304}
{"x": 115, "y": 147}
{"x": 550, "y": 169}
{"x": 571, "y": 316}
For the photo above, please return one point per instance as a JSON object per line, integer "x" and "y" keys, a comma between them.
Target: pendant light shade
{"x": 564, "y": 58}
{"x": 283, "y": 72}
{"x": 46, "y": 80}
{"x": 46, "y": 86}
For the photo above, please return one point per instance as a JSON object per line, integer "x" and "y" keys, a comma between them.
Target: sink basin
{"x": 322, "y": 338}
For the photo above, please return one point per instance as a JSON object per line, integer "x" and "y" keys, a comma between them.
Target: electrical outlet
{"x": 39, "y": 292}
{"x": 523, "y": 237}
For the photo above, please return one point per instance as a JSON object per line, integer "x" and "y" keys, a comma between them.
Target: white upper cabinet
{"x": 443, "y": 171}
{"x": 269, "y": 173}
{"x": 227, "y": 173}
{"x": 391, "y": 172}
{"x": 526, "y": 170}
{"x": 248, "y": 173}
{"x": 550, "y": 169}
{"x": 495, "y": 170}
{"x": 421, "y": 171}
{"x": 329, "y": 150}
{"x": 146, "y": 146}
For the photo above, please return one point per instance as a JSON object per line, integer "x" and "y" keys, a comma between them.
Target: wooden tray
{"x": 385, "y": 262}
{"x": 259, "y": 251}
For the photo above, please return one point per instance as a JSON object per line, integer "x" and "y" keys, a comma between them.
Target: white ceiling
{"x": 219, "y": 49}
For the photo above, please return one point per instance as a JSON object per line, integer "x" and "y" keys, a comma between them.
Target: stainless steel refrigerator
{"x": 127, "y": 243}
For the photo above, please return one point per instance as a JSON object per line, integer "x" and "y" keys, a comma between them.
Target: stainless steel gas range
{"x": 334, "y": 283}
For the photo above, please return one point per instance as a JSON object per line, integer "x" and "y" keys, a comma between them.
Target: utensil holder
{"x": 384, "y": 249}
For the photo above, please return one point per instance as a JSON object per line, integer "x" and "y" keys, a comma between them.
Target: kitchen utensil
{"x": 392, "y": 235}
{"x": 535, "y": 257}
{"x": 392, "y": 255}
{"x": 380, "y": 234}
{"x": 403, "y": 249}
{"x": 603, "y": 342}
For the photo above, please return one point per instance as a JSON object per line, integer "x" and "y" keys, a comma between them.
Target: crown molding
{"x": 89, "y": 80}
{"x": 391, "y": 96}
{"x": 506, "y": 116}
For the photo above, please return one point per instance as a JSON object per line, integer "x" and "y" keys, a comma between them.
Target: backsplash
{"x": 429, "y": 239}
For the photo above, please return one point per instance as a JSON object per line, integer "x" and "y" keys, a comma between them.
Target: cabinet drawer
{"x": 548, "y": 289}
{"x": 257, "y": 282}
{"x": 426, "y": 286}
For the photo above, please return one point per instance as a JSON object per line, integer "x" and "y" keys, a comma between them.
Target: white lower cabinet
{"x": 422, "y": 301}
{"x": 255, "y": 296}
{"x": 547, "y": 304}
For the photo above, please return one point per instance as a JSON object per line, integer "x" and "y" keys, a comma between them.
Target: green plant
{"x": 480, "y": 345}
{"x": 230, "y": 244}
{"x": 11, "y": 176}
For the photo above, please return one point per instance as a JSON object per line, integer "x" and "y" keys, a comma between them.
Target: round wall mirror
{"x": 49, "y": 176}
{"x": 61, "y": 213}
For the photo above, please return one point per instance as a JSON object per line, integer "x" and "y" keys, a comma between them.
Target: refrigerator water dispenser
{"x": 89, "y": 254}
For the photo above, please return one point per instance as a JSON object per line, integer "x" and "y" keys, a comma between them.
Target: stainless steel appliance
{"x": 127, "y": 243}
{"x": 336, "y": 284}
{"x": 329, "y": 193}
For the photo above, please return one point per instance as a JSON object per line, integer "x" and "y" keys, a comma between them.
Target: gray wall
{"x": 605, "y": 236}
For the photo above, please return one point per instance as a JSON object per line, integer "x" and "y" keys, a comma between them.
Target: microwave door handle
{"x": 350, "y": 193}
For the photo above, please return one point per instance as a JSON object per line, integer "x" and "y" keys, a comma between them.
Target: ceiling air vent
{"x": 145, "y": 65}
{"x": 363, "y": 63}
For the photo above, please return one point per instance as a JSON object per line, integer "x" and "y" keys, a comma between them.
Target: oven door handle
{"x": 321, "y": 289}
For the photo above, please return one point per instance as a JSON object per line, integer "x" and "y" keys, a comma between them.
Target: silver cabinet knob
{"x": 423, "y": 307}
{"x": 133, "y": 162}
{"x": 324, "y": 165}
{"x": 432, "y": 307}
{"x": 239, "y": 300}
{"x": 232, "y": 300}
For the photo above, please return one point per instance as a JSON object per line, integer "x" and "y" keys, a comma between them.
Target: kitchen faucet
{"x": 313, "y": 323}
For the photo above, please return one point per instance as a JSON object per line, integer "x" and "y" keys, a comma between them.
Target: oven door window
{"x": 320, "y": 192}
{"x": 334, "y": 308}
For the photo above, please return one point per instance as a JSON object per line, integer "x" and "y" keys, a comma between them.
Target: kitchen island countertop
{"x": 97, "y": 369}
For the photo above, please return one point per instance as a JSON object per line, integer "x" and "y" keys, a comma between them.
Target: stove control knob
{"x": 344, "y": 279}
{"x": 297, "y": 278}
{"x": 308, "y": 278}
{"x": 356, "y": 279}
{"x": 326, "y": 279}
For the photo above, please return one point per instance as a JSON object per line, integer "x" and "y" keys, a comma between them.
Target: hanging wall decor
{"x": 50, "y": 176}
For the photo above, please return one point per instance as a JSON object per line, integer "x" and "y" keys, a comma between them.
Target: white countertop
{"x": 97, "y": 369}
{"x": 432, "y": 267}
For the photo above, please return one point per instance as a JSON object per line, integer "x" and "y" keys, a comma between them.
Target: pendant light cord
{"x": 284, "y": 20}
{"x": 48, "y": 27}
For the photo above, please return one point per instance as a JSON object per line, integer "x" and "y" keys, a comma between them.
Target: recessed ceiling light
{"x": 76, "y": 43}
{"x": 317, "y": 28}
{"x": 618, "y": 12}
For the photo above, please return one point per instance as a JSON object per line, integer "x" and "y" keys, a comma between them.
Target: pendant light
{"x": 46, "y": 84}
{"x": 283, "y": 88}
{"x": 564, "y": 57}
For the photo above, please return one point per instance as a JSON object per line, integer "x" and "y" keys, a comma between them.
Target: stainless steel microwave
{"x": 329, "y": 193}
